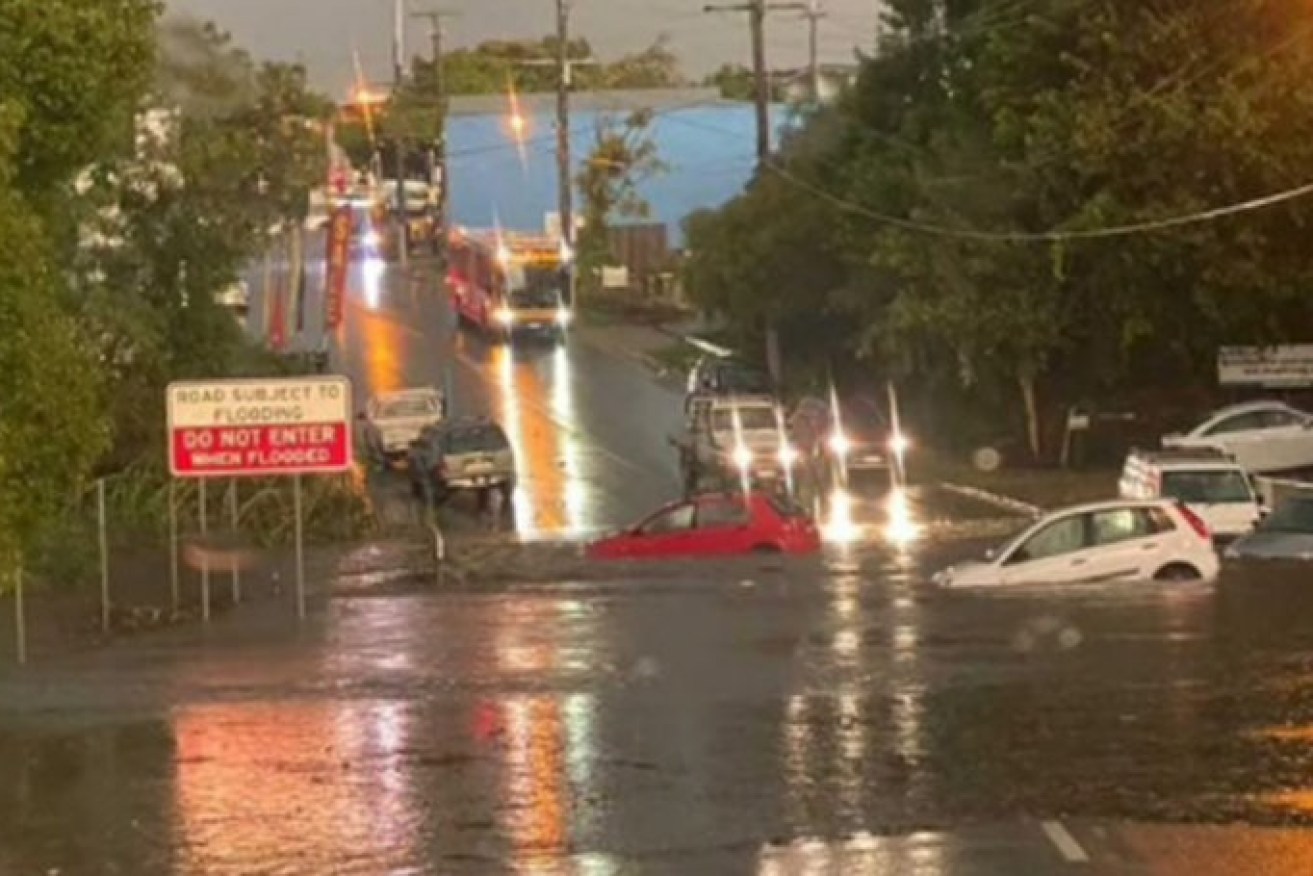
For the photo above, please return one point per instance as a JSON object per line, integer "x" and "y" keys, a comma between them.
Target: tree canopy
{"x": 961, "y": 192}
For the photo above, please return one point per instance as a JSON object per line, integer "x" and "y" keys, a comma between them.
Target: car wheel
{"x": 1177, "y": 572}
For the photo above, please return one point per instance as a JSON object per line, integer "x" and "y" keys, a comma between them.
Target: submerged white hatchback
{"x": 1124, "y": 540}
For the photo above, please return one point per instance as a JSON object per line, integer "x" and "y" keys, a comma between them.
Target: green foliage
{"x": 51, "y": 431}
{"x": 622, "y": 157}
{"x": 76, "y": 70}
{"x": 1046, "y": 123}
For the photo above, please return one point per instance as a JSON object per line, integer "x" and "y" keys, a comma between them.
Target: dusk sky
{"x": 322, "y": 33}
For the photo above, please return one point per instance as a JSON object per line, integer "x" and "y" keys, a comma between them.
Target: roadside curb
{"x": 1007, "y": 503}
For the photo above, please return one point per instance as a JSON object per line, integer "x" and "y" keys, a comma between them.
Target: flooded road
{"x": 770, "y": 717}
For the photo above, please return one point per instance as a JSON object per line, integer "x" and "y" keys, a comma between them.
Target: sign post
{"x": 232, "y": 520}
{"x": 20, "y": 616}
{"x": 300, "y": 548}
{"x": 174, "y": 594}
{"x": 104, "y": 555}
{"x": 261, "y": 428}
{"x": 205, "y": 557}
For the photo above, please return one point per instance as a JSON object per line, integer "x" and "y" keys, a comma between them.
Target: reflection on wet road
{"x": 735, "y": 717}
{"x": 589, "y": 431}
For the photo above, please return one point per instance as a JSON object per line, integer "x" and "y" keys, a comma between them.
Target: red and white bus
{"x": 508, "y": 284}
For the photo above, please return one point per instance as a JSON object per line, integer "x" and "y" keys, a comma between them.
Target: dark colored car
{"x": 471, "y": 455}
{"x": 860, "y": 437}
{"x": 1286, "y": 534}
{"x": 716, "y": 524}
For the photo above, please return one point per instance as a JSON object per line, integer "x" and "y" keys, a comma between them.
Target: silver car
{"x": 1286, "y": 534}
{"x": 471, "y": 455}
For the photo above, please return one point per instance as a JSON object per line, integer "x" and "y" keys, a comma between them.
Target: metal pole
{"x": 300, "y": 548}
{"x": 232, "y": 517}
{"x": 205, "y": 558}
{"x": 20, "y": 617}
{"x": 104, "y": 556}
{"x": 760, "y": 81}
{"x": 814, "y": 16}
{"x": 174, "y": 593}
{"x": 565, "y": 185}
{"x": 398, "y": 77}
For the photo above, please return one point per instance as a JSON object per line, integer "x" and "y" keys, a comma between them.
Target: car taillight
{"x": 1196, "y": 522}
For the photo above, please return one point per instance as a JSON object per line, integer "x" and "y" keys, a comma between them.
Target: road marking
{"x": 1065, "y": 843}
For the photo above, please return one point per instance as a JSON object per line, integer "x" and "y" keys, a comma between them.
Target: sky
{"x": 322, "y": 33}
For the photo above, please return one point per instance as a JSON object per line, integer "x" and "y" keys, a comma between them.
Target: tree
{"x": 968, "y": 152}
{"x": 734, "y": 81}
{"x": 622, "y": 157}
{"x": 76, "y": 71}
{"x": 52, "y": 430}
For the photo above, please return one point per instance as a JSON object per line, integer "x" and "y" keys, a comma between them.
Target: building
{"x": 497, "y": 177}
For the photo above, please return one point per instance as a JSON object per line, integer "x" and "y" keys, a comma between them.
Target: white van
{"x": 1209, "y": 482}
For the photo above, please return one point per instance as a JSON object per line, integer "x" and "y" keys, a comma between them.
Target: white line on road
{"x": 1065, "y": 843}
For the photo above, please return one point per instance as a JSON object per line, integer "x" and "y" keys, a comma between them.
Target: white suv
{"x": 1124, "y": 540}
{"x": 1210, "y": 482}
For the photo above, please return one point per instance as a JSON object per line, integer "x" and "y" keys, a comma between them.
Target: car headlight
{"x": 504, "y": 315}
{"x": 788, "y": 455}
{"x": 840, "y": 444}
{"x": 742, "y": 456}
{"x": 899, "y": 444}
{"x": 563, "y": 316}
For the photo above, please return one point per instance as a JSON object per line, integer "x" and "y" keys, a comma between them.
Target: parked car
{"x": 470, "y": 454}
{"x": 1286, "y": 534}
{"x": 716, "y": 524}
{"x": 1263, "y": 436}
{"x": 1125, "y": 540}
{"x": 1211, "y": 483}
{"x": 395, "y": 419}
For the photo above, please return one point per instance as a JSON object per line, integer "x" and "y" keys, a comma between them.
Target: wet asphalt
{"x": 837, "y": 715}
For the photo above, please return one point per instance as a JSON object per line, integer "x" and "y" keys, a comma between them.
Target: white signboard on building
{"x": 1282, "y": 366}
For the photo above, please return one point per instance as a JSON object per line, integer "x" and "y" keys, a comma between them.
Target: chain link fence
{"x": 139, "y": 551}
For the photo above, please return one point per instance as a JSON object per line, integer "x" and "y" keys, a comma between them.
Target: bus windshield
{"x": 536, "y": 286}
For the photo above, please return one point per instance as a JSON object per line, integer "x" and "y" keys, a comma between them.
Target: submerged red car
{"x": 716, "y": 524}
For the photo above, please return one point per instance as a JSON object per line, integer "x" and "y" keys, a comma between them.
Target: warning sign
{"x": 298, "y": 425}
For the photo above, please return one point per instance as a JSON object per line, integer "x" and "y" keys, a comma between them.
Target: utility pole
{"x": 398, "y": 77}
{"x": 565, "y": 185}
{"x": 564, "y": 65}
{"x": 757, "y": 11}
{"x": 814, "y": 14}
{"x": 439, "y": 161}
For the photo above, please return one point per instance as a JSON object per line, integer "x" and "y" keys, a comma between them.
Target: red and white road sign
{"x": 279, "y": 426}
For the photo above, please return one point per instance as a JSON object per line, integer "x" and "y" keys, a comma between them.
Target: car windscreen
{"x": 750, "y": 419}
{"x": 786, "y": 507}
{"x": 1294, "y": 515}
{"x": 476, "y": 439}
{"x": 406, "y": 408}
{"x": 741, "y": 378}
{"x": 1207, "y": 487}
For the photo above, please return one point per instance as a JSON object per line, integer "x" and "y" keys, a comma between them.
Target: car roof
{"x": 1196, "y": 458}
{"x": 742, "y": 401}
{"x": 1109, "y": 505}
{"x": 1249, "y": 407}
{"x": 418, "y": 392}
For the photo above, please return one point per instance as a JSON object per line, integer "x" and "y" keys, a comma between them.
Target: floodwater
{"x": 726, "y": 717}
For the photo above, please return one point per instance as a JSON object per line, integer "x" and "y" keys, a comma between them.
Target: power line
{"x": 1145, "y": 227}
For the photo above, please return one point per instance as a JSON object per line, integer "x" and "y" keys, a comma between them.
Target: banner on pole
{"x": 339, "y": 264}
